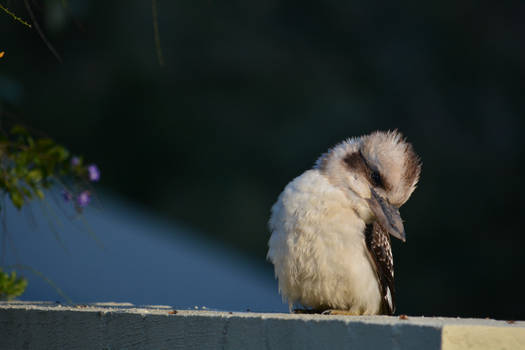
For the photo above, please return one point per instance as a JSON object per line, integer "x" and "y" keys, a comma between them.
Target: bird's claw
{"x": 339, "y": 312}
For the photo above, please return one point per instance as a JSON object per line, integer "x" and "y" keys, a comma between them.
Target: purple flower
{"x": 75, "y": 161}
{"x": 67, "y": 195}
{"x": 83, "y": 199}
{"x": 94, "y": 172}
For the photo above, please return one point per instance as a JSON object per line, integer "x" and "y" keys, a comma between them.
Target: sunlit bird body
{"x": 330, "y": 227}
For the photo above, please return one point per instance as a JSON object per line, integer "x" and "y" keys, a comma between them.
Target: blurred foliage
{"x": 28, "y": 166}
{"x": 11, "y": 286}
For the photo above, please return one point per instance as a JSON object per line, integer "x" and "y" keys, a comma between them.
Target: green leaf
{"x": 26, "y": 192}
{"x": 11, "y": 286}
{"x": 58, "y": 151}
{"x": 39, "y": 193}
{"x": 34, "y": 176}
{"x": 16, "y": 198}
{"x": 22, "y": 158}
{"x": 44, "y": 143}
{"x": 19, "y": 130}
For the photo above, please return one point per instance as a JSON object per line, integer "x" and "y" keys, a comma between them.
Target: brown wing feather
{"x": 378, "y": 243}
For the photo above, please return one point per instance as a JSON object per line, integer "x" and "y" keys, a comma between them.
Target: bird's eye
{"x": 376, "y": 178}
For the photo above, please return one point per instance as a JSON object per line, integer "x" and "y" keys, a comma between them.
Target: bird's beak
{"x": 387, "y": 215}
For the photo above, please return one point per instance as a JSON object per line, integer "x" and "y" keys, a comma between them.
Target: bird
{"x": 330, "y": 227}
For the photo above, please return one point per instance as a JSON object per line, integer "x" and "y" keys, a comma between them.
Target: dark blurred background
{"x": 251, "y": 93}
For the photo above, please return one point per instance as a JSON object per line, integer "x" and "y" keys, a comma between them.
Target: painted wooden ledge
{"x": 39, "y": 325}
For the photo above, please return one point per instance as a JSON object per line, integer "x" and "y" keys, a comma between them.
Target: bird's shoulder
{"x": 309, "y": 185}
{"x": 310, "y": 195}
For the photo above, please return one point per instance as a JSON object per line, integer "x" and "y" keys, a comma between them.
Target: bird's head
{"x": 378, "y": 172}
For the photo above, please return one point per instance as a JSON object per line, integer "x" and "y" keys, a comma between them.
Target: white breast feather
{"x": 318, "y": 249}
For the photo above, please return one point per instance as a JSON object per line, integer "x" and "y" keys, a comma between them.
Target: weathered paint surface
{"x": 122, "y": 326}
{"x": 458, "y": 337}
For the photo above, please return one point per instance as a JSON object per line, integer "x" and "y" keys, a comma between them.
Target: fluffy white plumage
{"x": 318, "y": 223}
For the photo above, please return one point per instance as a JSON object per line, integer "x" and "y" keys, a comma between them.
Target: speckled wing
{"x": 378, "y": 243}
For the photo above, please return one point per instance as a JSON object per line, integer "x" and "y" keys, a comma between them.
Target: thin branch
{"x": 15, "y": 17}
{"x": 156, "y": 32}
{"x": 4, "y": 233}
{"x": 42, "y": 276}
{"x": 41, "y": 33}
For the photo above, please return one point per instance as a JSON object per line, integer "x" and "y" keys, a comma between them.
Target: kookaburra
{"x": 330, "y": 227}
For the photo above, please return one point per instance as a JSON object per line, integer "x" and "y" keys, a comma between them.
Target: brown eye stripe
{"x": 357, "y": 162}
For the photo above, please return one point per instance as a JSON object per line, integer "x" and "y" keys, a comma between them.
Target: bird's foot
{"x": 306, "y": 311}
{"x": 339, "y": 312}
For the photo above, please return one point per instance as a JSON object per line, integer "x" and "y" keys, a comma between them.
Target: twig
{"x": 15, "y": 17}
{"x": 46, "y": 279}
{"x": 156, "y": 32}
{"x": 41, "y": 33}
